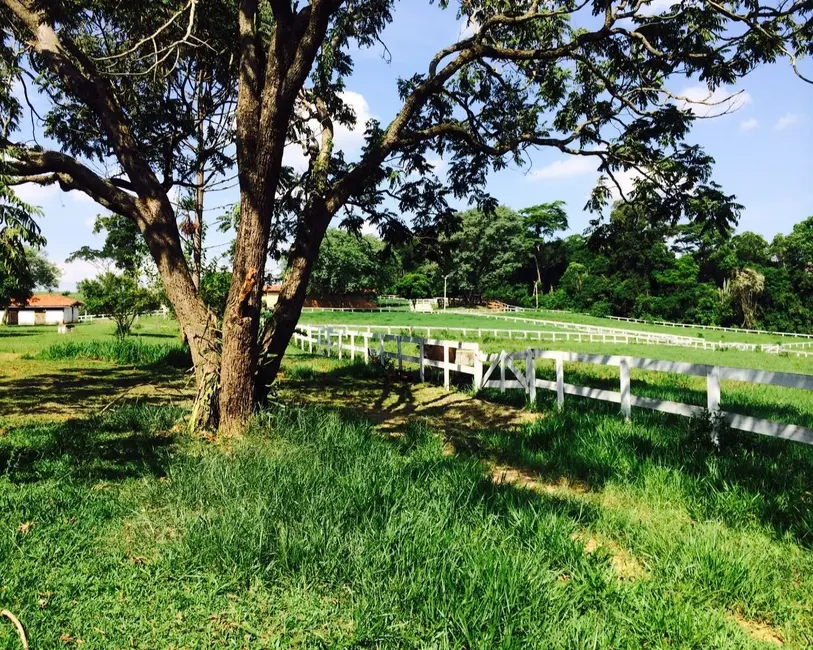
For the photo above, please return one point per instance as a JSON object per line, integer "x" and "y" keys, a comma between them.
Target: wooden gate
{"x": 11, "y": 317}
{"x": 39, "y": 317}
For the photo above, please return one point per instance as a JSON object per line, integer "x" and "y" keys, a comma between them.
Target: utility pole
{"x": 445, "y": 278}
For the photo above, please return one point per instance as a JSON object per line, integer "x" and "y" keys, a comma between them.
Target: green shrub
{"x": 129, "y": 352}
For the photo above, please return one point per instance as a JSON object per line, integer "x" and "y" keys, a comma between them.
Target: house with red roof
{"x": 42, "y": 309}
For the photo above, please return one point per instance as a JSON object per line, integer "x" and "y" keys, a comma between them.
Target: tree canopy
{"x": 352, "y": 264}
{"x": 118, "y": 296}
{"x": 588, "y": 79}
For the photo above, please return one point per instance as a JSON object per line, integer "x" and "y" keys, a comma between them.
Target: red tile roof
{"x": 272, "y": 288}
{"x": 48, "y": 301}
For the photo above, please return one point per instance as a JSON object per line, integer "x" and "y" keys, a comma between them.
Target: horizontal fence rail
{"x": 709, "y": 327}
{"x": 617, "y": 337}
{"x": 89, "y": 318}
{"x": 499, "y": 370}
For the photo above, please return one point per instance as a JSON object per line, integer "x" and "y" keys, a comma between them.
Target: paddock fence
{"x": 610, "y": 337}
{"x": 716, "y": 328}
{"x": 501, "y": 371}
{"x": 89, "y": 318}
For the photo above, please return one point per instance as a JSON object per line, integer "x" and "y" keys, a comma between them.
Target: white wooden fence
{"x": 716, "y": 328}
{"x": 499, "y": 371}
{"x": 614, "y": 337}
{"x": 89, "y": 318}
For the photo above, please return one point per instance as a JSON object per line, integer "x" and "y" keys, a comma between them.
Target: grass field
{"x": 505, "y": 321}
{"x": 439, "y": 323}
{"x": 709, "y": 335}
{"x": 365, "y": 511}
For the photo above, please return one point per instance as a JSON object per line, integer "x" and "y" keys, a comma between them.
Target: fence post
{"x": 502, "y": 371}
{"x": 310, "y": 340}
{"x": 366, "y": 348}
{"x": 560, "y": 381}
{"x": 340, "y": 345}
{"x": 478, "y": 370}
{"x": 352, "y": 346}
{"x": 420, "y": 359}
{"x": 327, "y": 336}
{"x": 530, "y": 374}
{"x": 626, "y": 397}
{"x": 400, "y": 360}
{"x": 713, "y": 395}
{"x": 446, "y": 365}
{"x": 381, "y": 349}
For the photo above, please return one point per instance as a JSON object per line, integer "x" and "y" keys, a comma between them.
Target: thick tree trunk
{"x": 241, "y": 320}
{"x": 197, "y": 323}
{"x": 279, "y": 330}
{"x": 197, "y": 234}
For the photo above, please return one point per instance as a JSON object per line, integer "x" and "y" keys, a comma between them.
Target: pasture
{"x": 365, "y": 509}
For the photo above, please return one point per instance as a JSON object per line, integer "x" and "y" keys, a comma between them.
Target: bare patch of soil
{"x": 759, "y": 631}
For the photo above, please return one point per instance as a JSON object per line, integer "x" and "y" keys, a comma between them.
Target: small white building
{"x": 42, "y": 309}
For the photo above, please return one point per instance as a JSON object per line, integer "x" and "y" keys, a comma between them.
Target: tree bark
{"x": 280, "y": 328}
{"x": 197, "y": 233}
{"x": 197, "y": 324}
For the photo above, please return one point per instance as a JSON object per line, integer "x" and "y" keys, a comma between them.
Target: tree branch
{"x": 48, "y": 167}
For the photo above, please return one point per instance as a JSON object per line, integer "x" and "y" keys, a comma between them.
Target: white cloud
{"x": 350, "y": 140}
{"x": 74, "y": 272}
{"x": 369, "y": 229}
{"x": 656, "y": 7}
{"x": 626, "y": 183}
{"x": 566, "y": 168}
{"x": 749, "y": 125}
{"x": 789, "y": 119}
{"x": 35, "y": 194}
{"x": 80, "y": 197}
{"x": 468, "y": 28}
{"x": 706, "y": 103}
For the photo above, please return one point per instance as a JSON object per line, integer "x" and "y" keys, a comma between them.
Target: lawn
{"x": 37, "y": 388}
{"x": 709, "y": 335}
{"x": 366, "y": 511}
{"x": 484, "y": 319}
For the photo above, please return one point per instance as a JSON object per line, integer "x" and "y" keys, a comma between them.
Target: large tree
{"x": 588, "y": 79}
{"x": 349, "y": 263}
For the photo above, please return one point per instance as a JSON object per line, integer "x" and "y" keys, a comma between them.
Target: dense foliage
{"x": 351, "y": 264}
{"x": 32, "y": 271}
{"x": 630, "y": 267}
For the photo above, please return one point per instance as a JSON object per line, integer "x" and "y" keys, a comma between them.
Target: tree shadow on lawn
{"x": 156, "y": 335}
{"x": 749, "y": 478}
{"x": 7, "y": 331}
{"x": 390, "y": 402}
{"x": 125, "y": 443}
{"x": 64, "y": 393}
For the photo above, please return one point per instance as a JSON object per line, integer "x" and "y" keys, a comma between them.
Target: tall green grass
{"x": 315, "y": 532}
{"x": 123, "y": 351}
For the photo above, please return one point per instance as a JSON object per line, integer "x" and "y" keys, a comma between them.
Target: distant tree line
{"x": 628, "y": 265}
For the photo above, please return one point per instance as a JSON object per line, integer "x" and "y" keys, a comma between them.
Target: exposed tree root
{"x": 18, "y": 626}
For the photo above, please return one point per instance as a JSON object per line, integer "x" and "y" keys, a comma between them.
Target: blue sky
{"x": 763, "y": 150}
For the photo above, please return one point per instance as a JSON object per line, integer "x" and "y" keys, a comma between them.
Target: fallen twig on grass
{"x": 19, "y": 627}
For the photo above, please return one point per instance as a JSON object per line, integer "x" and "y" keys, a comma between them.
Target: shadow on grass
{"x": 65, "y": 393}
{"x": 751, "y": 478}
{"x": 124, "y": 443}
{"x": 156, "y": 335}
{"x": 9, "y": 331}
